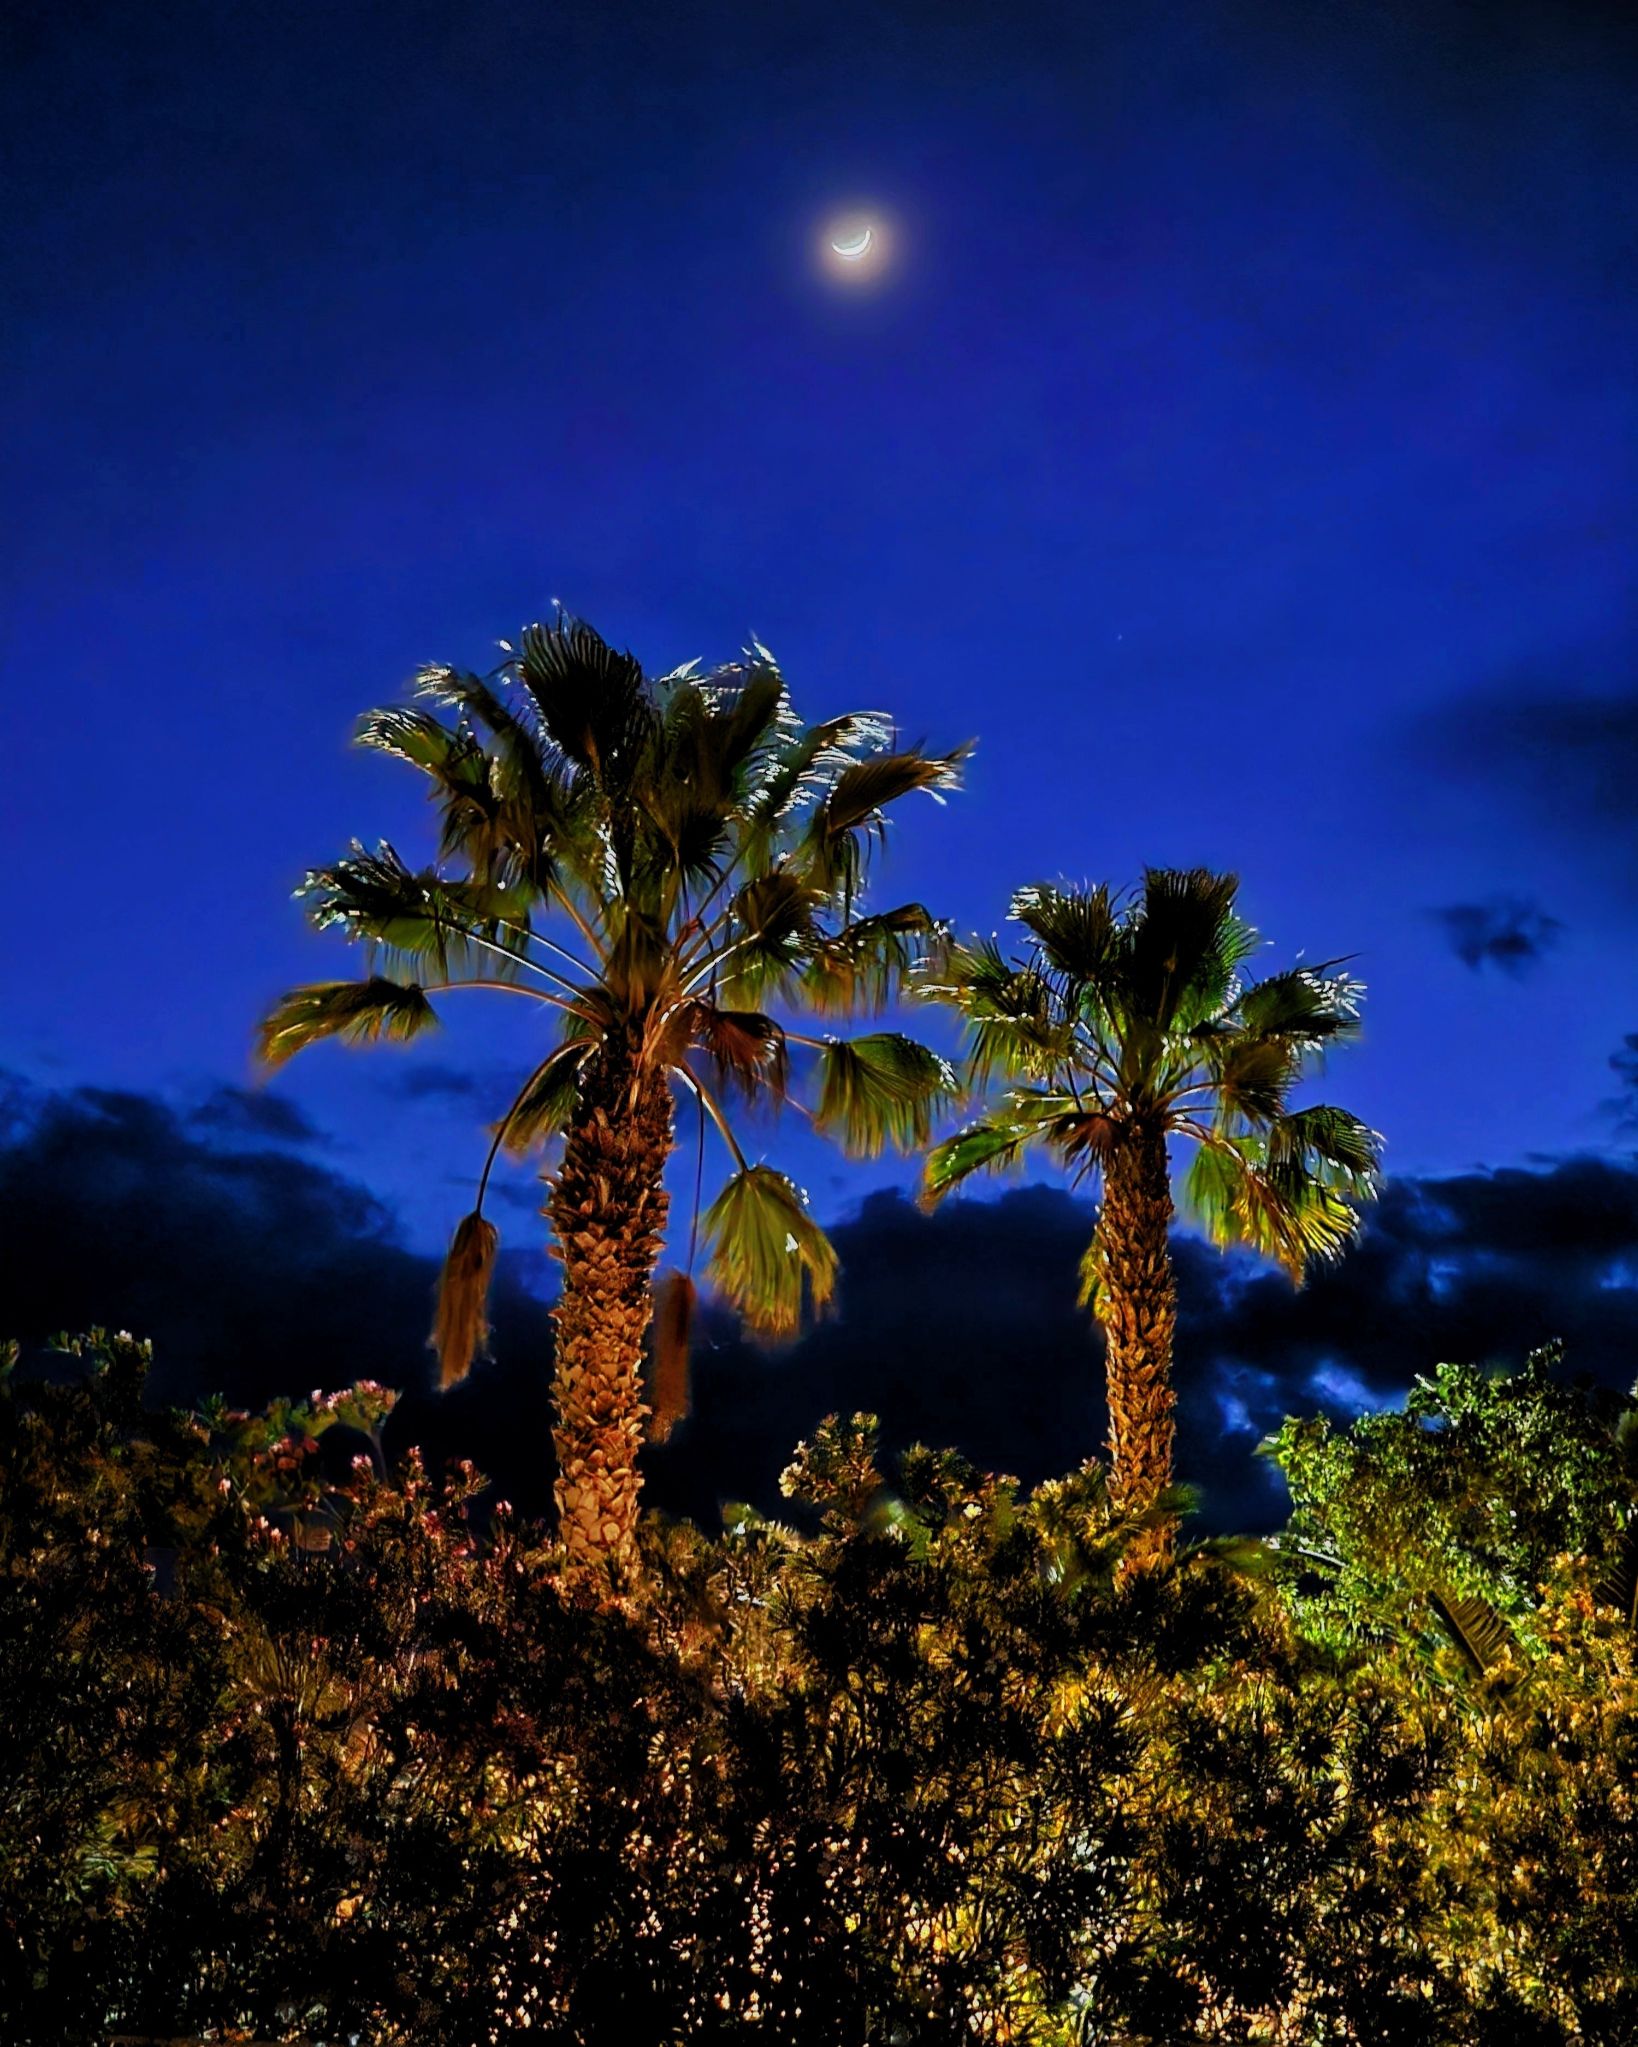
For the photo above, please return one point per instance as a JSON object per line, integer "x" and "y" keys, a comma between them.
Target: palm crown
{"x": 657, "y": 863}
{"x": 1132, "y": 1014}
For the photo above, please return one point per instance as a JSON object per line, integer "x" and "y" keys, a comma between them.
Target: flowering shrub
{"x": 306, "y": 1749}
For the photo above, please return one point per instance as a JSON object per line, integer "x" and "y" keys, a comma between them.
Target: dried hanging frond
{"x": 460, "y": 1331}
{"x": 669, "y": 1388}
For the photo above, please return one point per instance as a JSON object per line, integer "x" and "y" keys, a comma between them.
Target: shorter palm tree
{"x": 659, "y": 865}
{"x": 1125, "y": 1023}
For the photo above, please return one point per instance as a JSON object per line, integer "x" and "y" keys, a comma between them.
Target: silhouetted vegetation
{"x": 305, "y": 1747}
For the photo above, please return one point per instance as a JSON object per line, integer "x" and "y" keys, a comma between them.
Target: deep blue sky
{"x": 1242, "y": 446}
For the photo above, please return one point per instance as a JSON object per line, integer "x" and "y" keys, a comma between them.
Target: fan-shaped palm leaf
{"x": 1077, "y": 928}
{"x": 767, "y": 1254}
{"x": 546, "y": 1100}
{"x": 980, "y": 1148}
{"x": 881, "y": 1090}
{"x": 358, "y": 1012}
{"x": 864, "y": 965}
{"x": 375, "y": 896}
{"x": 592, "y": 701}
{"x": 747, "y": 1050}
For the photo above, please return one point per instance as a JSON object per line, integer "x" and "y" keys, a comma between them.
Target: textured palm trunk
{"x": 608, "y": 1213}
{"x": 1137, "y": 1306}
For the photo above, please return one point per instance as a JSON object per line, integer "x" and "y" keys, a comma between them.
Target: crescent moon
{"x": 851, "y": 247}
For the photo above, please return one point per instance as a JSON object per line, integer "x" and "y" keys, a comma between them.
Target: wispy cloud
{"x": 1622, "y": 1109}
{"x": 1508, "y": 932}
{"x": 232, "y": 1112}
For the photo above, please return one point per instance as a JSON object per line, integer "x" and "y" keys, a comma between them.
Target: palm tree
{"x": 652, "y": 862}
{"x": 1123, "y": 1024}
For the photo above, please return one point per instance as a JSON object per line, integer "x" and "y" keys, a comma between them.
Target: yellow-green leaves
{"x": 881, "y": 1090}
{"x": 980, "y": 1148}
{"x": 377, "y": 898}
{"x": 767, "y": 1254}
{"x": 545, "y": 1101}
{"x": 358, "y": 1012}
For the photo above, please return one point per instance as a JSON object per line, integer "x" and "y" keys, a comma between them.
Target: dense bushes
{"x": 296, "y": 1747}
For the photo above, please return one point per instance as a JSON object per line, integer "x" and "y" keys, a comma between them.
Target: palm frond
{"x": 1474, "y": 1628}
{"x": 712, "y": 729}
{"x": 767, "y": 935}
{"x": 801, "y": 767}
{"x": 746, "y": 731}
{"x": 1253, "y": 1077}
{"x": 460, "y": 1331}
{"x": 1016, "y": 1025}
{"x": 507, "y": 806}
{"x": 1306, "y": 1006}
{"x": 1323, "y": 1136}
{"x": 1183, "y": 945}
{"x": 986, "y": 1147}
{"x": 1089, "y": 1275}
{"x": 1292, "y": 1218}
{"x": 375, "y": 896}
{"x": 863, "y": 966}
{"x": 358, "y": 1012}
{"x": 767, "y": 1254}
{"x": 747, "y": 1050}
{"x": 881, "y": 1090}
{"x": 852, "y": 815}
{"x": 1211, "y": 1190}
{"x": 1083, "y": 1138}
{"x": 546, "y": 1100}
{"x": 864, "y": 790}
{"x": 593, "y": 703}
{"x": 1078, "y": 928}
{"x": 451, "y": 755}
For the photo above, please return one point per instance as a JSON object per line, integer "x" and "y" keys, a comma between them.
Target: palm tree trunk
{"x": 1137, "y": 1306}
{"x": 608, "y": 1211}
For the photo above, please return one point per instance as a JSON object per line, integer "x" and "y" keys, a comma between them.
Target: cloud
{"x": 1506, "y": 932}
{"x": 1564, "y": 753}
{"x": 1623, "y": 1110}
{"x": 962, "y": 1327}
{"x": 242, "y": 1112}
{"x": 258, "y": 1271}
{"x": 255, "y": 1271}
{"x": 430, "y": 1080}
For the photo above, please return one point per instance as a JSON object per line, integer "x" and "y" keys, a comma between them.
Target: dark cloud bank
{"x": 259, "y": 1270}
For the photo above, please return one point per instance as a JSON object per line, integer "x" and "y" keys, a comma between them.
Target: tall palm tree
{"x": 654, "y": 863}
{"x": 1125, "y": 1023}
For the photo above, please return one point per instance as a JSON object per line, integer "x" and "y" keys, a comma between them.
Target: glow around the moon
{"x": 855, "y": 245}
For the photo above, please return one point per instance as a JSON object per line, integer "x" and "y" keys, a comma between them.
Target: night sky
{"x": 1240, "y": 443}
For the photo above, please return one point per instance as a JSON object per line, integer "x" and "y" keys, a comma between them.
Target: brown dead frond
{"x": 460, "y": 1331}
{"x": 669, "y": 1390}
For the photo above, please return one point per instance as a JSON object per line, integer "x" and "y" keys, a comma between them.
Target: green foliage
{"x": 765, "y": 1246}
{"x": 303, "y": 1750}
{"x": 364, "y": 1012}
{"x": 1439, "y": 1525}
{"x": 881, "y": 1090}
